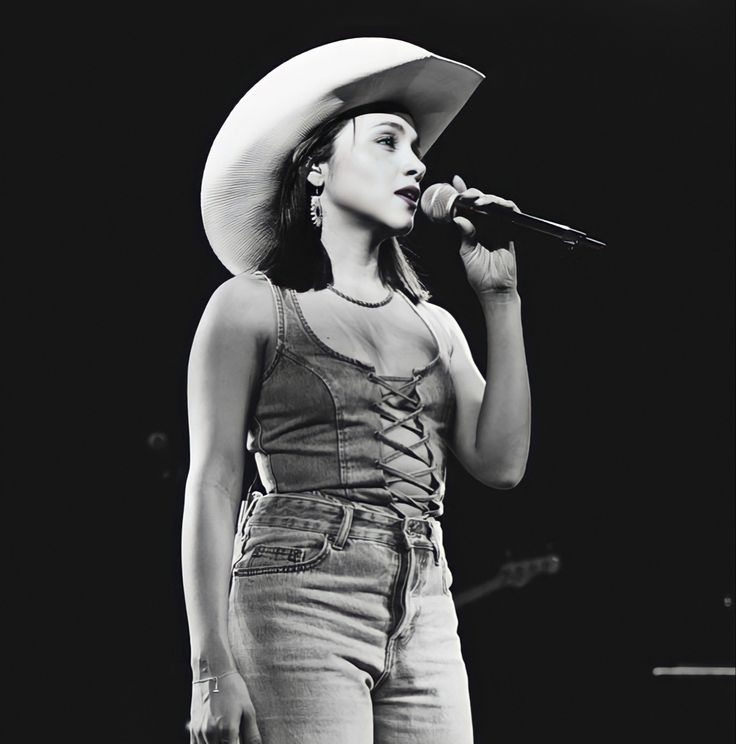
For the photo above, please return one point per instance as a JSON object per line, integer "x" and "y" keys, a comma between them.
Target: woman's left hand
{"x": 489, "y": 271}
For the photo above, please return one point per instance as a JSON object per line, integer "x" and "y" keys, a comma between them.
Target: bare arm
{"x": 504, "y": 420}
{"x": 225, "y": 365}
{"x": 493, "y": 416}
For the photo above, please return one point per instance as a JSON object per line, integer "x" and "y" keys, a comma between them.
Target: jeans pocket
{"x": 268, "y": 550}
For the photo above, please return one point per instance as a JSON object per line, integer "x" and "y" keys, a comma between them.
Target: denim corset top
{"x": 327, "y": 422}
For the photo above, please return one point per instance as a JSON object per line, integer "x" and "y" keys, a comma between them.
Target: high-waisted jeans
{"x": 343, "y": 626}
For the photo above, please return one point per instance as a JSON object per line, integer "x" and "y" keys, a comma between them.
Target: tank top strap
{"x": 291, "y": 333}
{"x": 430, "y": 315}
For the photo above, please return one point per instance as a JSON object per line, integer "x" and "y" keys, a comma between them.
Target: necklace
{"x": 362, "y": 302}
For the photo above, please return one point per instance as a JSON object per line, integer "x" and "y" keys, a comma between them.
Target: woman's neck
{"x": 354, "y": 257}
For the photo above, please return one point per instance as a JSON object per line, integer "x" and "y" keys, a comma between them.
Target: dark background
{"x": 615, "y": 118}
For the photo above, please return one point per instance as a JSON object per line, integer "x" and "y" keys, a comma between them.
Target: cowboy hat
{"x": 240, "y": 184}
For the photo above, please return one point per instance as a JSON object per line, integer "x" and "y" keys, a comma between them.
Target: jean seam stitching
{"x": 295, "y": 358}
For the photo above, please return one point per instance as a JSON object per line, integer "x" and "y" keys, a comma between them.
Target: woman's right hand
{"x": 223, "y": 717}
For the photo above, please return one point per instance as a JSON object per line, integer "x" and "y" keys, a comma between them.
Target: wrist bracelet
{"x": 216, "y": 679}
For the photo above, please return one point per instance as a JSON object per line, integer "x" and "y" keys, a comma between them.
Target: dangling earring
{"x": 315, "y": 210}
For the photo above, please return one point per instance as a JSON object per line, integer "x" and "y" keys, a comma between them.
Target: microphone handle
{"x": 572, "y": 237}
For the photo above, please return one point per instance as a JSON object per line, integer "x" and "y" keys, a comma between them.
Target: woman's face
{"x": 366, "y": 170}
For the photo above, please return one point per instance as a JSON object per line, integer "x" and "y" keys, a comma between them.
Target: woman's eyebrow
{"x": 397, "y": 126}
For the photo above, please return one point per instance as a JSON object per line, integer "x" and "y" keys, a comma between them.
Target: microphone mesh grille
{"x": 437, "y": 200}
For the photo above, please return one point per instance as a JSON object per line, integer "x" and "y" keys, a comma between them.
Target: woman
{"x": 330, "y": 620}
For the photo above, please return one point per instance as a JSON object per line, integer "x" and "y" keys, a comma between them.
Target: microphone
{"x": 439, "y": 203}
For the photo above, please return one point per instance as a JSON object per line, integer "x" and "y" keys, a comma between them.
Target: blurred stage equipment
{"x": 157, "y": 441}
{"x": 694, "y": 671}
{"x": 704, "y": 670}
{"x": 439, "y": 203}
{"x": 512, "y": 573}
{"x": 159, "y": 448}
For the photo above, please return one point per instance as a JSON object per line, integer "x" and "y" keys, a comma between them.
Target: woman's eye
{"x": 390, "y": 139}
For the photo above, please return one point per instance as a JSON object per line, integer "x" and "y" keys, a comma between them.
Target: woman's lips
{"x": 409, "y": 201}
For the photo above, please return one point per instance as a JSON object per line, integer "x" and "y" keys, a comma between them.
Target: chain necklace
{"x": 362, "y": 302}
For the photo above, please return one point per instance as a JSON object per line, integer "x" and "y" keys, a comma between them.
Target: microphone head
{"x": 438, "y": 201}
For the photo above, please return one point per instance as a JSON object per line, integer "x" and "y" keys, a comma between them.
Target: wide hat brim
{"x": 240, "y": 184}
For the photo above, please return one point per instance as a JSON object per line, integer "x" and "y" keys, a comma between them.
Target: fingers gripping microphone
{"x": 440, "y": 204}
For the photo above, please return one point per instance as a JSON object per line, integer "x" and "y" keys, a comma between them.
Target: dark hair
{"x": 299, "y": 260}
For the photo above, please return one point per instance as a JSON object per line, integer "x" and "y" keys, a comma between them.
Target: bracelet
{"x": 216, "y": 679}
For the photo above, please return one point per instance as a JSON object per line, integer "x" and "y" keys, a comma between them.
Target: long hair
{"x": 300, "y": 261}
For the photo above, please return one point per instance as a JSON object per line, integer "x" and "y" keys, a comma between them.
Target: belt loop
{"x": 405, "y": 533}
{"x": 434, "y": 539}
{"x": 344, "y": 531}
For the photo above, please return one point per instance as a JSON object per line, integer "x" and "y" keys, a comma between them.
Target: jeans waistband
{"x": 340, "y": 520}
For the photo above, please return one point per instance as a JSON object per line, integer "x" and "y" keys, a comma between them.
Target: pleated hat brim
{"x": 240, "y": 184}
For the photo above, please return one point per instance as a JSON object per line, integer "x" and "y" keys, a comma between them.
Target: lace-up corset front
{"x": 401, "y": 408}
{"x": 327, "y": 421}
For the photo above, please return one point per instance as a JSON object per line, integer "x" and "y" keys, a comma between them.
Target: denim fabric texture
{"x": 325, "y": 421}
{"x": 342, "y": 623}
{"x": 341, "y": 618}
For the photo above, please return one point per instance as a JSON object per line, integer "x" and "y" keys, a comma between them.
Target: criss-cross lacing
{"x": 404, "y": 396}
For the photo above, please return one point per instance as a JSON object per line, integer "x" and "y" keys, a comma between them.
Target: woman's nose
{"x": 416, "y": 168}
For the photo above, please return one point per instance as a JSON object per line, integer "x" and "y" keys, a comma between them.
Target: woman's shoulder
{"x": 440, "y": 314}
{"x": 443, "y": 321}
{"x": 244, "y": 301}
